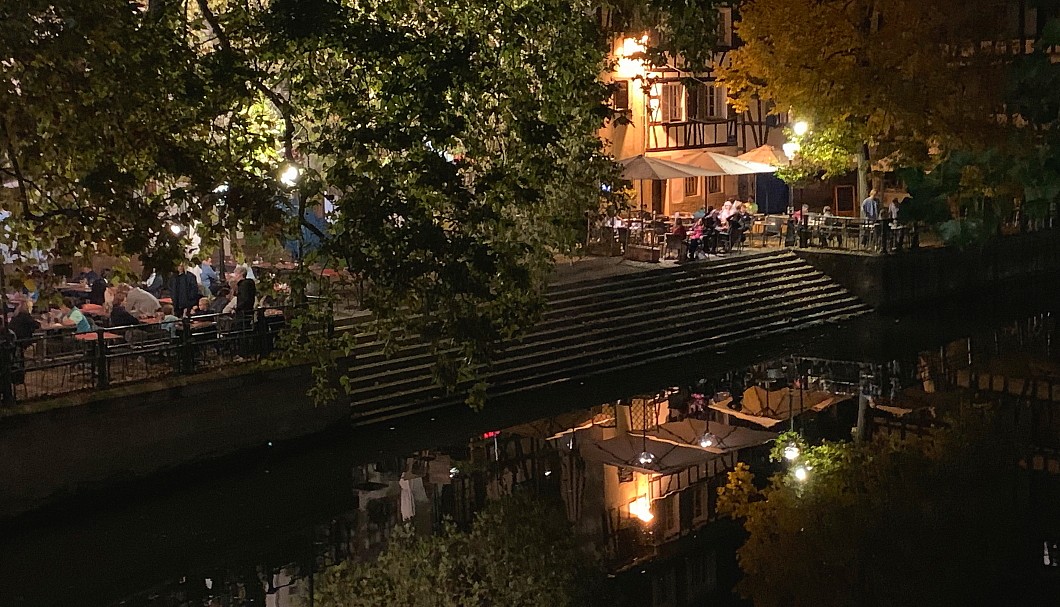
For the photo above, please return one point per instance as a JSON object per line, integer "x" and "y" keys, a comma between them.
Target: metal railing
{"x": 59, "y": 361}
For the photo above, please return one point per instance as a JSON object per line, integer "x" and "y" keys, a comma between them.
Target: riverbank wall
{"x": 132, "y": 432}
{"x": 901, "y": 281}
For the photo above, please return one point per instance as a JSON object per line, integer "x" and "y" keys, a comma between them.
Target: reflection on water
{"x": 637, "y": 477}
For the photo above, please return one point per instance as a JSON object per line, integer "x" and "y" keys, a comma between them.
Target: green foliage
{"x": 459, "y": 138}
{"x": 683, "y": 32}
{"x": 114, "y": 127}
{"x": 936, "y": 521}
{"x": 861, "y": 71}
{"x": 520, "y": 551}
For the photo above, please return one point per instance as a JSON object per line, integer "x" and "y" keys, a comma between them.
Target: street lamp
{"x": 801, "y": 473}
{"x": 800, "y": 128}
{"x": 290, "y": 176}
{"x": 792, "y": 452}
{"x": 176, "y": 229}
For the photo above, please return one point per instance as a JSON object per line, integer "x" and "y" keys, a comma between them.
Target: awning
{"x": 717, "y": 164}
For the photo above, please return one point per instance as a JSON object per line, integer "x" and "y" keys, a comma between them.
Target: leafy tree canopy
{"x": 942, "y": 521}
{"x": 899, "y": 76}
{"x": 520, "y": 551}
{"x": 684, "y": 32}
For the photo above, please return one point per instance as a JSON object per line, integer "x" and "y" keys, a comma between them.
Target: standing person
{"x": 897, "y": 231}
{"x": 195, "y": 269}
{"x": 870, "y": 214}
{"x": 246, "y": 291}
{"x": 208, "y": 276}
{"x": 184, "y": 290}
{"x": 870, "y": 207}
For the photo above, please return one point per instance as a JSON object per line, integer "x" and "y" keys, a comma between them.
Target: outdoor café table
{"x": 75, "y": 287}
{"x": 95, "y": 336}
{"x": 93, "y": 309}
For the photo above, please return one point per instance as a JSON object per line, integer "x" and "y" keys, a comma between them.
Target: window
{"x": 704, "y": 102}
{"x": 699, "y": 501}
{"x": 691, "y": 186}
{"x": 620, "y": 98}
{"x": 714, "y": 184}
{"x": 701, "y": 573}
{"x": 671, "y": 102}
{"x": 715, "y": 102}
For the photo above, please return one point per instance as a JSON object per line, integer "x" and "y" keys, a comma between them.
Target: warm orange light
{"x": 641, "y": 508}
{"x": 631, "y": 68}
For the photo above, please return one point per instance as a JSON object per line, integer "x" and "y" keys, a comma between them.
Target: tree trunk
{"x": 863, "y": 174}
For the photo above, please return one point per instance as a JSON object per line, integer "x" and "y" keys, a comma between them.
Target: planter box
{"x": 636, "y": 252}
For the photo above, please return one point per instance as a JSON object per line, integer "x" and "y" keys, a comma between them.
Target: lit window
{"x": 691, "y": 186}
{"x": 714, "y": 184}
{"x": 671, "y": 102}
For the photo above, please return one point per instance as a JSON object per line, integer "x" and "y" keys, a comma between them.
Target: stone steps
{"x": 607, "y": 324}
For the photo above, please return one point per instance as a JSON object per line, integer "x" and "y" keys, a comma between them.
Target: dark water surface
{"x": 244, "y": 531}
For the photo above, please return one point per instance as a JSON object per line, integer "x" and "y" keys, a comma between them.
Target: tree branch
{"x": 281, "y": 104}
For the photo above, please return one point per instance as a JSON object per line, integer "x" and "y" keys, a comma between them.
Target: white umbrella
{"x": 766, "y": 154}
{"x": 720, "y": 164}
{"x": 643, "y": 167}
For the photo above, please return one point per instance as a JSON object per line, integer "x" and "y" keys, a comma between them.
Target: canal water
{"x": 252, "y": 530}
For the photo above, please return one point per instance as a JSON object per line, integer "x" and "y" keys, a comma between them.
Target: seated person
{"x": 73, "y": 317}
{"x": 87, "y": 276}
{"x": 98, "y": 294}
{"x": 153, "y": 284}
{"x": 140, "y": 302}
{"x": 202, "y": 308}
{"x": 695, "y": 239}
{"x": 119, "y": 316}
{"x": 224, "y": 295}
{"x": 22, "y": 324}
{"x": 169, "y": 321}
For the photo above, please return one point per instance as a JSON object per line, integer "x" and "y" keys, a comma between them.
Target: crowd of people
{"x": 718, "y": 230}
{"x": 97, "y": 300}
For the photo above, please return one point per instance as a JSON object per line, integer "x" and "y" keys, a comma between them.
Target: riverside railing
{"x": 58, "y": 361}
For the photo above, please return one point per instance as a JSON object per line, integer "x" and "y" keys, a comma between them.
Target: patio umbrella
{"x": 687, "y": 432}
{"x": 623, "y": 450}
{"x": 765, "y": 154}
{"x": 720, "y": 164}
{"x": 643, "y": 167}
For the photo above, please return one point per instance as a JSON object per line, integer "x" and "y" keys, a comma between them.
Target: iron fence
{"x": 59, "y": 361}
